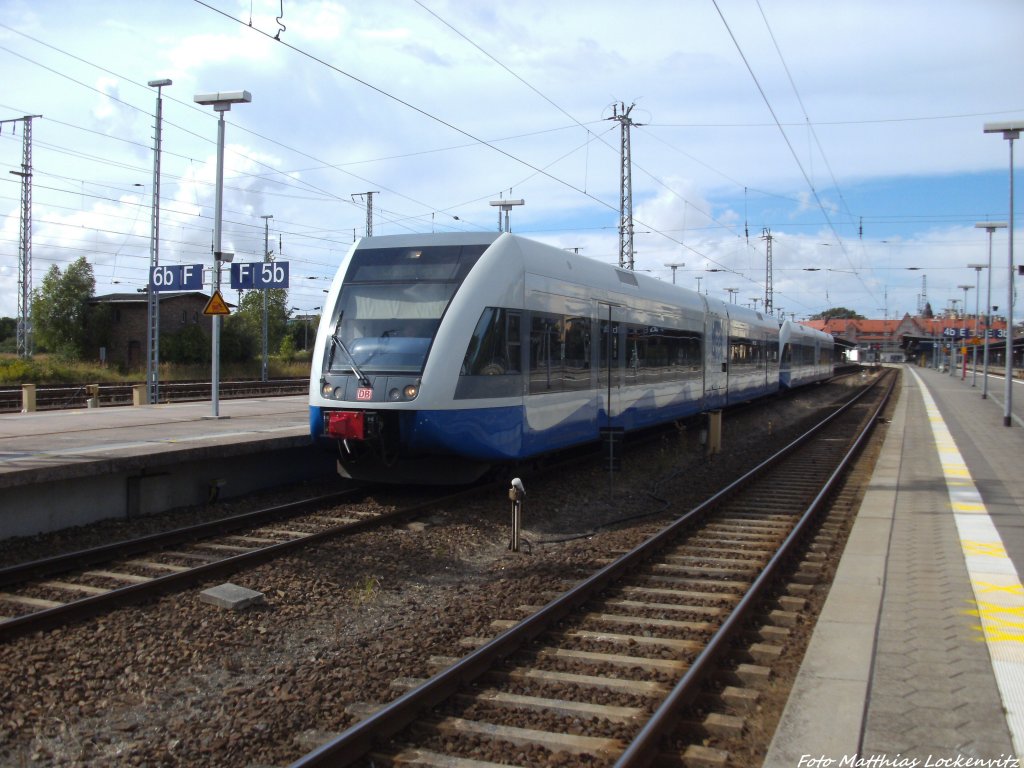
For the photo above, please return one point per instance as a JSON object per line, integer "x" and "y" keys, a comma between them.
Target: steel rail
{"x": 355, "y": 742}
{"x": 69, "y": 561}
{"x": 643, "y": 750}
{"x": 89, "y": 606}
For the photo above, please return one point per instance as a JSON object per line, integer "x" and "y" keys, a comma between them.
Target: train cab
{"x": 806, "y": 355}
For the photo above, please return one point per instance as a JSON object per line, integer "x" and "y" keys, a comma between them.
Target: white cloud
{"x": 925, "y": 79}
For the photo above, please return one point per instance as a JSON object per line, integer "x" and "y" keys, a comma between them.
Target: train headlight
{"x": 410, "y": 391}
{"x": 326, "y": 388}
{"x": 394, "y": 394}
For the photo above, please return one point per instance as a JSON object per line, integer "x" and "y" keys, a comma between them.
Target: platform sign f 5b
{"x": 260, "y": 274}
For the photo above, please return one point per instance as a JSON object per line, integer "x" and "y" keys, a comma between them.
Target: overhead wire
{"x": 440, "y": 120}
{"x": 796, "y": 158}
{"x": 550, "y": 101}
{"x": 421, "y": 111}
{"x": 274, "y": 171}
{"x": 803, "y": 109}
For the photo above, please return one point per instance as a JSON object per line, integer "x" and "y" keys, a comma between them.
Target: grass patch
{"x": 52, "y": 370}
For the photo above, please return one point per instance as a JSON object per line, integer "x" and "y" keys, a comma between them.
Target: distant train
{"x": 440, "y": 356}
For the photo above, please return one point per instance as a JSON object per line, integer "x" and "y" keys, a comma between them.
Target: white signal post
{"x": 264, "y": 369}
{"x": 221, "y": 103}
{"x": 977, "y": 301}
{"x": 990, "y": 227}
{"x": 1010, "y": 131}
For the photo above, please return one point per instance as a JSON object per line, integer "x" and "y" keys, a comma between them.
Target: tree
{"x": 239, "y": 343}
{"x": 189, "y": 345}
{"x": 8, "y": 334}
{"x": 303, "y": 329}
{"x": 60, "y": 310}
{"x": 248, "y": 318}
{"x": 287, "y": 349}
{"x": 927, "y": 312}
{"x": 841, "y": 313}
{"x": 8, "y": 328}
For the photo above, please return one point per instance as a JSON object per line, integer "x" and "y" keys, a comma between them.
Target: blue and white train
{"x": 440, "y": 356}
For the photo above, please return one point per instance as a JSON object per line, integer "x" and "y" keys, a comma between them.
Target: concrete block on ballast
{"x": 231, "y": 596}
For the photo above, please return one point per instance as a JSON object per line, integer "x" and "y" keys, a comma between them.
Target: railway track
{"x": 601, "y": 674}
{"x": 43, "y": 594}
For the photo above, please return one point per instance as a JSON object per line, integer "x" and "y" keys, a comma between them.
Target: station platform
{"x": 73, "y": 467}
{"x": 918, "y": 655}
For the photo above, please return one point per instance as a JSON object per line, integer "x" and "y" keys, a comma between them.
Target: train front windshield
{"x": 391, "y": 303}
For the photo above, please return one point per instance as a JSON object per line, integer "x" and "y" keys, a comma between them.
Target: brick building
{"x": 126, "y": 343}
{"x": 912, "y": 339}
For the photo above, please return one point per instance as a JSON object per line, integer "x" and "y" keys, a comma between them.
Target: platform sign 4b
{"x": 260, "y": 274}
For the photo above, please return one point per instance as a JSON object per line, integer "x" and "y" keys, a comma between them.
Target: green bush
{"x": 188, "y": 346}
{"x": 53, "y": 369}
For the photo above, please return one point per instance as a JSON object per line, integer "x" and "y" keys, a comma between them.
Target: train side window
{"x": 576, "y": 353}
{"x": 636, "y": 354}
{"x": 494, "y": 348}
{"x": 685, "y": 354}
{"x": 493, "y": 360}
{"x": 547, "y": 351}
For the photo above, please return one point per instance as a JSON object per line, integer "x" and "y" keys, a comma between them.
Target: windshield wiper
{"x": 338, "y": 343}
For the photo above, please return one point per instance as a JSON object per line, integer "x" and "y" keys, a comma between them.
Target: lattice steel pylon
{"x": 369, "y": 209}
{"x": 625, "y": 186}
{"x": 153, "y": 296}
{"x": 24, "y": 330}
{"x": 766, "y": 235}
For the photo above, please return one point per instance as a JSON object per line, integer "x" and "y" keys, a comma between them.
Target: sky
{"x": 851, "y": 133}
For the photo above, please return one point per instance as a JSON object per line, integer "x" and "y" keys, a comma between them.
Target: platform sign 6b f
{"x": 178, "y": 277}
{"x": 261, "y": 274}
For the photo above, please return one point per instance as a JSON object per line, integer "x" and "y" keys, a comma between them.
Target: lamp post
{"x": 505, "y": 206}
{"x": 266, "y": 257}
{"x": 990, "y": 227}
{"x": 153, "y": 297}
{"x": 221, "y": 103}
{"x": 674, "y": 266}
{"x": 1010, "y": 132}
{"x": 977, "y": 297}
{"x": 952, "y": 343}
{"x": 963, "y": 329}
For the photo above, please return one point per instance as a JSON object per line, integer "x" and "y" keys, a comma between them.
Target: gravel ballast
{"x": 179, "y": 682}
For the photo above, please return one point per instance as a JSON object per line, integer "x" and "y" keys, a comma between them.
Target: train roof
{"x": 793, "y": 330}
{"x": 559, "y": 264}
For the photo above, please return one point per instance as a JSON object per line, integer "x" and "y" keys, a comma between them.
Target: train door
{"x": 609, "y": 361}
{"x": 716, "y": 359}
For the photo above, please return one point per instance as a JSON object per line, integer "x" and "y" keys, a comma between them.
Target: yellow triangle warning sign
{"x": 216, "y": 305}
